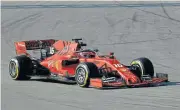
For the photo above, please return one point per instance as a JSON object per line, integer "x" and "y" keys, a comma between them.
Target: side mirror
{"x": 77, "y": 40}
{"x": 96, "y": 50}
{"x": 111, "y": 53}
{"x": 82, "y": 44}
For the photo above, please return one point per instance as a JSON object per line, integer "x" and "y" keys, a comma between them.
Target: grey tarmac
{"x": 130, "y": 30}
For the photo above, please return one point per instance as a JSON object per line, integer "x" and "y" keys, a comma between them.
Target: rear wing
{"x": 22, "y": 46}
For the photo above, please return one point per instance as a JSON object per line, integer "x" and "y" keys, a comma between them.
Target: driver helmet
{"x": 87, "y": 54}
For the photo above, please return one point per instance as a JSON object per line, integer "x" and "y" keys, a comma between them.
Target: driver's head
{"x": 87, "y": 54}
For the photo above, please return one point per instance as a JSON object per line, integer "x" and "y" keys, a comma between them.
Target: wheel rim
{"x": 81, "y": 75}
{"x": 12, "y": 69}
{"x": 138, "y": 71}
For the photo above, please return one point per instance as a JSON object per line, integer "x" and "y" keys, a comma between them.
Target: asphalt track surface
{"x": 131, "y": 31}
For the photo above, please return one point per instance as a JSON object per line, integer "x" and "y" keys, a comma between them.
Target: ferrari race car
{"x": 68, "y": 61}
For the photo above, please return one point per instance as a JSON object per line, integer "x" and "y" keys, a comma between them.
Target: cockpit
{"x": 86, "y": 53}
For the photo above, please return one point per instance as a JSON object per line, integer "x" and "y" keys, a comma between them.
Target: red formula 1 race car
{"x": 68, "y": 61}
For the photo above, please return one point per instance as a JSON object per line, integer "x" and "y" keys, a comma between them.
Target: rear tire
{"x": 84, "y": 72}
{"x": 144, "y": 65}
{"x": 20, "y": 67}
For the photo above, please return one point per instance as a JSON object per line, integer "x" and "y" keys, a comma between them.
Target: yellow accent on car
{"x": 85, "y": 80}
{"x": 17, "y": 72}
{"x": 56, "y": 65}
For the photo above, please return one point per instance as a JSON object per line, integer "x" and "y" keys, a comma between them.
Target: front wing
{"x": 158, "y": 80}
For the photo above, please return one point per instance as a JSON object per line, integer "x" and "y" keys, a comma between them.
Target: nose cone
{"x": 130, "y": 77}
{"x": 133, "y": 81}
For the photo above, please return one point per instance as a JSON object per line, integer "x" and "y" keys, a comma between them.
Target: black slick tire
{"x": 20, "y": 67}
{"x": 144, "y": 65}
{"x": 84, "y": 72}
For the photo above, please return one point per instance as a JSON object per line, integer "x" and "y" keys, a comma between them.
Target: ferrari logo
{"x": 56, "y": 65}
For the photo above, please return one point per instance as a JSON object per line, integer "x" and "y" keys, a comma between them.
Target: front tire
{"x": 20, "y": 67}
{"x": 144, "y": 66}
{"x": 84, "y": 72}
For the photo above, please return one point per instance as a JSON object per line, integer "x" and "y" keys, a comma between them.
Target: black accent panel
{"x": 70, "y": 62}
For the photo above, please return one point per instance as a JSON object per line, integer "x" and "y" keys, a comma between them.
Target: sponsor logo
{"x": 123, "y": 69}
{"x": 118, "y": 65}
{"x": 37, "y": 44}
